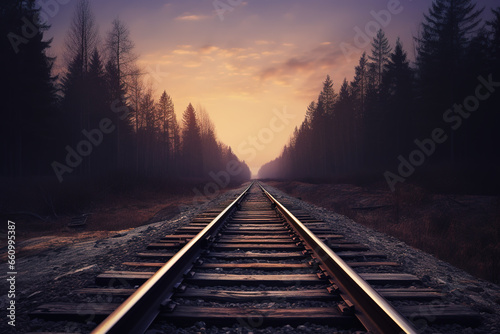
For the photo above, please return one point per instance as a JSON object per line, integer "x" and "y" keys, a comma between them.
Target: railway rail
{"x": 258, "y": 263}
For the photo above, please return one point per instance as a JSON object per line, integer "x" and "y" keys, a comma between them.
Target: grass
{"x": 463, "y": 230}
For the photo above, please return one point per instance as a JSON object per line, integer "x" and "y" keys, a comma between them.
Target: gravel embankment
{"x": 461, "y": 287}
{"x": 51, "y": 276}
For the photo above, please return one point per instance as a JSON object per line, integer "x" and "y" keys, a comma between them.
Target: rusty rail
{"x": 137, "y": 313}
{"x": 372, "y": 310}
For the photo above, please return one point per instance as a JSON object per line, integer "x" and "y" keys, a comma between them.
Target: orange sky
{"x": 254, "y": 67}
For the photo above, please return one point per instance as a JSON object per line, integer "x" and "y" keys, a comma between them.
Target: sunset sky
{"x": 253, "y": 63}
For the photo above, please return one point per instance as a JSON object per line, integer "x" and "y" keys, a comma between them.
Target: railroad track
{"x": 255, "y": 263}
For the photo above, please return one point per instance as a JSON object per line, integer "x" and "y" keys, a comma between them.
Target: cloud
{"x": 264, "y": 42}
{"x": 323, "y": 57}
{"x": 208, "y": 49}
{"x": 183, "y": 52}
{"x": 192, "y": 64}
{"x": 232, "y": 52}
{"x": 191, "y": 17}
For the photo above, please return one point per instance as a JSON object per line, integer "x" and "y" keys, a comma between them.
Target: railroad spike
{"x": 346, "y": 307}
{"x": 333, "y": 289}
{"x": 180, "y": 288}
{"x": 168, "y": 306}
{"x": 189, "y": 274}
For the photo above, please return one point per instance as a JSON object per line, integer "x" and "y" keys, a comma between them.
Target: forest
{"x": 432, "y": 120}
{"x": 98, "y": 122}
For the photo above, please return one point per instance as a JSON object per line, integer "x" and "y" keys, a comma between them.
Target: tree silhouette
{"x": 380, "y": 54}
{"x": 42, "y": 127}
{"x": 494, "y": 26}
{"x": 446, "y": 32}
{"x": 166, "y": 115}
{"x": 398, "y": 83}
{"x": 191, "y": 143}
{"x": 81, "y": 41}
{"x": 82, "y": 37}
{"x": 360, "y": 85}
{"x": 388, "y": 104}
{"x": 28, "y": 97}
{"x": 120, "y": 50}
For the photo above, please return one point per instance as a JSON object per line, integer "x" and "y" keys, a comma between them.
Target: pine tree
{"x": 360, "y": 85}
{"x": 346, "y": 123}
{"x": 398, "y": 83}
{"x": 311, "y": 110}
{"x": 93, "y": 97}
{"x": 398, "y": 74}
{"x": 78, "y": 88}
{"x": 495, "y": 39}
{"x": 320, "y": 121}
{"x": 380, "y": 55}
{"x": 191, "y": 143}
{"x": 167, "y": 119}
{"x": 73, "y": 87}
{"x": 29, "y": 118}
{"x": 327, "y": 97}
{"x": 97, "y": 87}
{"x": 211, "y": 152}
{"x": 446, "y": 33}
{"x": 176, "y": 138}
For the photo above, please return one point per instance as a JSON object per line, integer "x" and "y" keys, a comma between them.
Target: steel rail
{"x": 137, "y": 313}
{"x": 371, "y": 309}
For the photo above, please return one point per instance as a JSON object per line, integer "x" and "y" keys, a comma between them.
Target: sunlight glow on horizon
{"x": 260, "y": 58}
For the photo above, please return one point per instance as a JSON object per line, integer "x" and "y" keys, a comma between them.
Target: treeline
{"x": 440, "y": 113}
{"x": 100, "y": 117}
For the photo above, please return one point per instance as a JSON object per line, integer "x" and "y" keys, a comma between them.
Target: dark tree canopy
{"x": 105, "y": 121}
{"x": 447, "y": 31}
{"x": 390, "y": 108}
{"x": 28, "y": 93}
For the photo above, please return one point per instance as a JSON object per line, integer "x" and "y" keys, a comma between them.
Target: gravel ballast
{"x": 51, "y": 276}
{"x": 460, "y": 287}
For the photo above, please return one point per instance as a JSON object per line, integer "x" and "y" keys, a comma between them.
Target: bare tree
{"x": 120, "y": 50}
{"x": 207, "y": 127}
{"x": 83, "y": 36}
